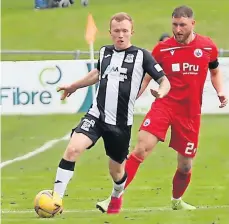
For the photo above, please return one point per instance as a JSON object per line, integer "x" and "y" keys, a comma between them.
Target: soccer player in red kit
{"x": 185, "y": 58}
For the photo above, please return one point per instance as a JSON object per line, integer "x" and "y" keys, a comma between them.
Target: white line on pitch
{"x": 149, "y": 209}
{"x": 36, "y": 151}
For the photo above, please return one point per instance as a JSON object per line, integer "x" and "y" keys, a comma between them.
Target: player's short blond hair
{"x": 119, "y": 17}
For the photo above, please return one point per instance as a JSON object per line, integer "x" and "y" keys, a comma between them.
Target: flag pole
{"x": 91, "y": 30}
{"x": 92, "y": 67}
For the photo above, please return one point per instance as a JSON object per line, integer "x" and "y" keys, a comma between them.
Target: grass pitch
{"x": 147, "y": 200}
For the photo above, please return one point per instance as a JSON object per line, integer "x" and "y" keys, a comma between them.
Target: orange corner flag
{"x": 90, "y": 30}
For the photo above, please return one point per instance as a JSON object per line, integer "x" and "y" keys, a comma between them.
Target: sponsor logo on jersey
{"x": 189, "y": 69}
{"x": 113, "y": 71}
{"x": 176, "y": 67}
{"x": 186, "y": 68}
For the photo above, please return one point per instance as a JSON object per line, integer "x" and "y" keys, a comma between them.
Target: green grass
{"x": 150, "y": 190}
{"x": 24, "y": 28}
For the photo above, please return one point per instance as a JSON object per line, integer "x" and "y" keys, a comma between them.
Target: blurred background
{"x": 44, "y": 48}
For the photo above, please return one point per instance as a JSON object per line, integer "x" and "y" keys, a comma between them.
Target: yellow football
{"x": 47, "y": 204}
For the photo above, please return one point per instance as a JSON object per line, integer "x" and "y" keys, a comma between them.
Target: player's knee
{"x": 145, "y": 145}
{"x": 185, "y": 168}
{"x": 184, "y": 164}
{"x": 72, "y": 152}
{"x": 142, "y": 150}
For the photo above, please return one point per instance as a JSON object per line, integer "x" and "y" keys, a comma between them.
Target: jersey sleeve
{"x": 213, "y": 64}
{"x": 156, "y": 53}
{"x": 151, "y": 67}
{"x": 214, "y": 53}
{"x": 98, "y": 65}
{"x": 100, "y": 59}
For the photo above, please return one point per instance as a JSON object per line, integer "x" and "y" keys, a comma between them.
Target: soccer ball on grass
{"x": 47, "y": 204}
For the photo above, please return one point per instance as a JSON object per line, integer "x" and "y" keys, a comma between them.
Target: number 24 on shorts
{"x": 189, "y": 150}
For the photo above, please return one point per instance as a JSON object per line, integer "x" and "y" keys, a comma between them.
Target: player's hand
{"x": 67, "y": 91}
{"x": 156, "y": 93}
{"x": 223, "y": 100}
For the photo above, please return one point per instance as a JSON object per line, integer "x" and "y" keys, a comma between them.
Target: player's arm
{"x": 144, "y": 84}
{"x": 156, "y": 72}
{"x": 216, "y": 76}
{"x": 217, "y": 82}
{"x": 91, "y": 78}
{"x": 164, "y": 87}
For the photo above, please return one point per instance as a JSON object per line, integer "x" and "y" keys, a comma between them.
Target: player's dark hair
{"x": 182, "y": 11}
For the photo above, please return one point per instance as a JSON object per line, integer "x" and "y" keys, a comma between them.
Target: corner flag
{"x": 91, "y": 30}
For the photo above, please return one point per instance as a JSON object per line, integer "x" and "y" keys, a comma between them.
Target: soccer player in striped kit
{"x": 120, "y": 72}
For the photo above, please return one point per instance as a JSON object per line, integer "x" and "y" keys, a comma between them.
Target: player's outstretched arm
{"x": 91, "y": 78}
{"x": 217, "y": 82}
{"x": 164, "y": 87}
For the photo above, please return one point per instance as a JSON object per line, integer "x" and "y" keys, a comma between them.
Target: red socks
{"x": 132, "y": 165}
{"x": 180, "y": 183}
{"x": 180, "y": 180}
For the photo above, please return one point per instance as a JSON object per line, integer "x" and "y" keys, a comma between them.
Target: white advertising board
{"x": 29, "y": 87}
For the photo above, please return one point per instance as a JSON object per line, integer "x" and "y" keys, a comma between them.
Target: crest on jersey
{"x": 129, "y": 58}
{"x": 198, "y": 53}
{"x": 146, "y": 122}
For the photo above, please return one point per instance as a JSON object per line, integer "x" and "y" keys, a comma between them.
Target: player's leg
{"x": 119, "y": 176}
{"x": 116, "y": 141}
{"x": 83, "y": 137}
{"x": 181, "y": 182}
{"x": 153, "y": 129}
{"x": 146, "y": 142}
{"x": 184, "y": 140}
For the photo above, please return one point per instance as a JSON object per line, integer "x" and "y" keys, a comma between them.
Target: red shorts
{"x": 184, "y": 130}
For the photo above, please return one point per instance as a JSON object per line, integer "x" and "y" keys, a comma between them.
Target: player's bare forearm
{"x": 217, "y": 80}
{"x": 164, "y": 86}
{"x": 91, "y": 78}
{"x": 144, "y": 84}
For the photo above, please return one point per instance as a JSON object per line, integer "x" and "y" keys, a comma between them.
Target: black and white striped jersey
{"x": 121, "y": 75}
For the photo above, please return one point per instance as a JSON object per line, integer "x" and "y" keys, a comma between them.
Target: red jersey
{"x": 186, "y": 67}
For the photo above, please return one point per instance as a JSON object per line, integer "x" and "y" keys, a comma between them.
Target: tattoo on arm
{"x": 159, "y": 81}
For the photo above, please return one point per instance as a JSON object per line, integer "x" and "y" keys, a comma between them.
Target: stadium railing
{"x": 75, "y": 54}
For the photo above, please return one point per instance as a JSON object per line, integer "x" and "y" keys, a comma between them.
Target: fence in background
{"x": 75, "y": 54}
